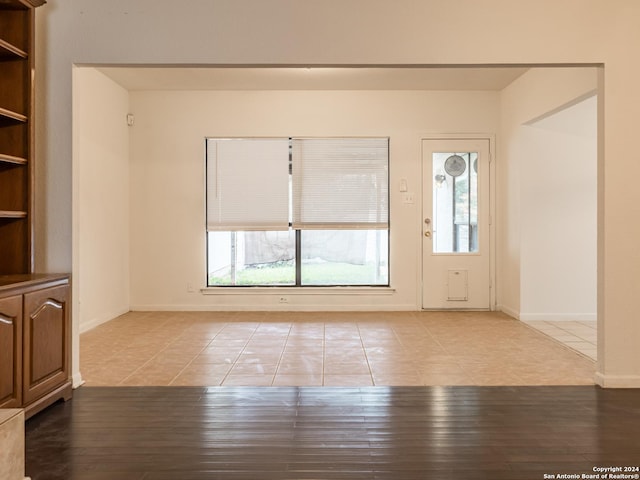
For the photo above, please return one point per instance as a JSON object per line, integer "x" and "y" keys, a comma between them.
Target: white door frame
{"x": 492, "y": 205}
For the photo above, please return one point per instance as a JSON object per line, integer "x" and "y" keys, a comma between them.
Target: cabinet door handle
{"x": 6, "y": 320}
{"x": 48, "y": 303}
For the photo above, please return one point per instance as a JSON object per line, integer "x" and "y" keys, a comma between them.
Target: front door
{"x": 456, "y": 267}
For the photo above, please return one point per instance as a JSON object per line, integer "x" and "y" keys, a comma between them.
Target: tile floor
{"x": 333, "y": 349}
{"x": 579, "y": 335}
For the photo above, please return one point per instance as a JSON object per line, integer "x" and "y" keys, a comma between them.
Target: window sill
{"x": 298, "y": 290}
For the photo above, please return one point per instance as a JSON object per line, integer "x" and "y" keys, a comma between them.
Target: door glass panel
{"x": 455, "y": 202}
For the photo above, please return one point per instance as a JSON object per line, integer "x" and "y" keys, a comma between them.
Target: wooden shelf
{"x": 9, "y": 51}
{"x": 30, "y": 281}
{"x": 8, "y": 115}
{"x": 20, "y": 4}
{"x": 34, "y": 3}
{"x": 17, "y": 23}
{"x": 10, "y": 159}
{"x": 13, "y": 214}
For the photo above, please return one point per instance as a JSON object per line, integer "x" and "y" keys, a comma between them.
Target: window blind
{"x": 340, "y": 183}
{"x": 247, "y": 184}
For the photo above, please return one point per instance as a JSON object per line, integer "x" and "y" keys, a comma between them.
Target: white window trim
{"x": 339, "y": 290}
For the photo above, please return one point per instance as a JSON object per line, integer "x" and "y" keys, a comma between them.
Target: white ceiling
{"x": 316, "y": 78}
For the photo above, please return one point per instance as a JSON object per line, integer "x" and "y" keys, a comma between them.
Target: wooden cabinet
{"x": 35, "y": 330}
{"x": 16, "y": 134}
{"x": 11, "y": 351}
{"x": 45, "y": 342}
{"x": 35, "y": 341}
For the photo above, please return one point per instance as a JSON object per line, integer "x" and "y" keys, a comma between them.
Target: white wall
{"x": 547, "y": 200}
{"x": 382, "y": 32}
{"x": 558, "y": 219}
{"x": 167, "y": 180}
{"x": 101, "y": 198}
{"x": 554, "y": 256}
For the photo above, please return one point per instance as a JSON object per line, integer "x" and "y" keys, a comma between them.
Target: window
{"x": 455, "y": 202}
{"x": 297, "y": 211}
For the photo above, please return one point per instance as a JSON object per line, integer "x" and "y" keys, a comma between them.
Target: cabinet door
{"x": 46, "y": 341}
{"x": 11, "y": 352}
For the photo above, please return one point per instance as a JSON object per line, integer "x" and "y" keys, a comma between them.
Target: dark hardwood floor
{"x": 193, "y": 433}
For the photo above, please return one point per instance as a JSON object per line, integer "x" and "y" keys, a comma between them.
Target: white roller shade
{"x": 340, "y": 183}
{"x": 247, "y": 184}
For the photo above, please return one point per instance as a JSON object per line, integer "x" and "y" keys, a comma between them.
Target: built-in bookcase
{"x": 35, "y": 322}
{"x": 16, "y": 135}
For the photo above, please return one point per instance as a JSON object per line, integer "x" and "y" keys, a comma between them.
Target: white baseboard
{"x": 568, "y": 317}
{"x": 528, "y": 317}
{"x": 87, "y": 325}
{"x": 512, "y": 312}
{"x": 284, "y": 307}
{"x": 76, "y": 380}
{"x": 617, "y": 381}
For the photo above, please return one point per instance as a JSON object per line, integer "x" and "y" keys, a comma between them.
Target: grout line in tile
{"x": 238, "y": 356}
{"x": 364, "y": 350}
{"x": 284, "y": 346}
{"x": 560, "y": 342}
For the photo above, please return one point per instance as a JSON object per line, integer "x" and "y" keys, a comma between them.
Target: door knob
{"x": 427, "y": 234}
